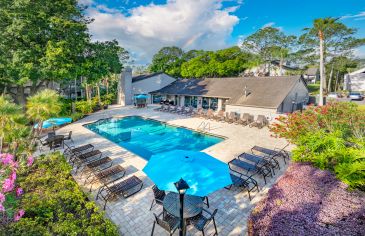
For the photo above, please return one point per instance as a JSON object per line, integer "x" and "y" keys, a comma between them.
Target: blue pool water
{"x": 146, "y": 137}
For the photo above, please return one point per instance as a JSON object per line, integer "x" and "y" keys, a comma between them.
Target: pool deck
{"x": 132, "y": 215}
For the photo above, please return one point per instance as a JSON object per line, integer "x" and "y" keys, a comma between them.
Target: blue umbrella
{"x": 54, "y": 122}
{"x": 141, "y": 96}
{"x": 203, "y": 173}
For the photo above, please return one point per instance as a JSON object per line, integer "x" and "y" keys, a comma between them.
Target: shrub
{"x": 331, "y": 137}
{"x": 55, "y": 205}
{"x": 77, "y": 116}
{"x": 108, "y": 99}
{"x": 66, "y": 108}
{"x": 85, "y": 107}
{"x": 309, "y": 201}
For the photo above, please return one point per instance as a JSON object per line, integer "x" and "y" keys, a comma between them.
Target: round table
{"x": 193, "y": 205}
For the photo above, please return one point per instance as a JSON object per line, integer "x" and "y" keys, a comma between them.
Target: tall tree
{"x": 168, "y": 60}
{"x": 40, "y": 41}
{"x": 328, "y": 38}
{"x": 270, "y": 44}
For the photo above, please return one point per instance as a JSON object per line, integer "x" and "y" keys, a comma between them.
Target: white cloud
{"x": 190, "y": 24}
{"x": 272, "y": 24}
{"x": 360, "y": 52}
{"x": 359, "y": 16}
{"x": 269, "y": 24}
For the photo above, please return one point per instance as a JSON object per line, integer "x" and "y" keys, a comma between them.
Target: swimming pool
{"x": 146, "y": 137}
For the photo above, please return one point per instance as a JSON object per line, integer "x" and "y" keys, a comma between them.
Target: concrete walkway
{"x": 132, "y": 215}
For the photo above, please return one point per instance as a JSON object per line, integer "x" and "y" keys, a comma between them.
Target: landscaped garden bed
{"x": 309, "y": 201}
{"x": 54, "y": 204}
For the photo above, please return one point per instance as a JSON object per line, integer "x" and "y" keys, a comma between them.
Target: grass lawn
{"x": 313, "y": 88}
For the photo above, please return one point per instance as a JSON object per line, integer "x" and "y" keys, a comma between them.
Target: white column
{"x": 220, "y": 104}
{"x": 200, "y": 102}
{"x": 182, "y": 100}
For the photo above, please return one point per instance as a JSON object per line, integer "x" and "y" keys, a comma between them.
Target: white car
{"x": 355, "y": 96}
{"x": 332, "y": 95}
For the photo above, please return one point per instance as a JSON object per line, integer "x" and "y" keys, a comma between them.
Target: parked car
{"x": 332, "y": 95}
{"x": 355, "y": 96}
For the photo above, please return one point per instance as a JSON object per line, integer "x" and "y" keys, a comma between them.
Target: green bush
{"x": 331, "y": 137}
{"x": 108, "y": 99}
{"x": 66, "y": 108}
{"x": 85, "y": 107}
{"x": 54, "y": 204}
{"x": 77, "y": 116}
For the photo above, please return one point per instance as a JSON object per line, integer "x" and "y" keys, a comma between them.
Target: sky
{"x": 144, "y": 26}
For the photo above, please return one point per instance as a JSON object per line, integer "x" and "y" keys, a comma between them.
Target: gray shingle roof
{"x": 143, "y": 77}
{"x": 311, "y": 71}
{"x": 268, "y": 92}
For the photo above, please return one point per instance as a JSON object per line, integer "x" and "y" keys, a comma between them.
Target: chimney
{"x": 125, "y": 96}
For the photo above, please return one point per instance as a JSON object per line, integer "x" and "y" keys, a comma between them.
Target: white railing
{"x": 203, "y": 126}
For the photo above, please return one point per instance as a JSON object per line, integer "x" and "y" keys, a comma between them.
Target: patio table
{"x": 193, "y": 205}
{"x": 51, "y": 139}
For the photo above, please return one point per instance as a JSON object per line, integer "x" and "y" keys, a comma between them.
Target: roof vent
{"x": 247, "y": 92}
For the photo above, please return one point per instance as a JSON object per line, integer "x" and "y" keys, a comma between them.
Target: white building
{"x": 255, "y": 95}
{"x": 355, "y": 81}
{"x": 130, "y": 86}
{"x": 311, "y": 75}
{"x": 271, "y": 69}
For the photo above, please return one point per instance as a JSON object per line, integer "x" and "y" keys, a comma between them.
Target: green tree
{"x": 328, "y": 38}
{"x": 269, "y": 44}
{"x": 40, "y": 41}
{"x": 168, "y": 60}
{"x": 42, "y": 106}
{"x": 222, "y": 63}
{"x": 9, "y": 112}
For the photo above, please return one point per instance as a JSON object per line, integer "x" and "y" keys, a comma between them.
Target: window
{"x": 157, "y": 99}
{"x": 205, "y": 103}
{"x": 214, "y": 103}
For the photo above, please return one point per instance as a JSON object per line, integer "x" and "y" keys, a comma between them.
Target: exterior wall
{"x": 151, "y": 84}
{"x": 299, "y": 94}
{"x": 271, "y": 114}
{"x": 355, "y": 82}
{"x": 124, "y": 95}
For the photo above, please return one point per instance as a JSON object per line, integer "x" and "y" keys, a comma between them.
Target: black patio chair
{"x": 273, "y": 152}
{"x": 243, "y": 181}
{"x": 97, "y": 166}
{"x": 125, "y": 188}
{"x": 71, "y": 150}
{"x": 261, "y": 161}
{"x": 107, "y": 176}
{"x": 43, "y": 143}
{"x": 159, "y": 196}
{"x": 167, "y": 222}
{"x": 51, "y": 134}
{"x": 68, "y": 137}
{"x": 79, "y": 160}
{"x": 248, "y": 167}
{"x": 56, "y": 143}
{"x": 205, "y": 200}
{"x": 201, "y": 221}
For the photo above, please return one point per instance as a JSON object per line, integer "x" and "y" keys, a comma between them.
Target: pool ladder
{"x": 204, "y": 126}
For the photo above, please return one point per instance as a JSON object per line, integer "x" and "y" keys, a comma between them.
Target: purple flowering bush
{"x": 10, "y": 192}
{"x": 309, "y": 201}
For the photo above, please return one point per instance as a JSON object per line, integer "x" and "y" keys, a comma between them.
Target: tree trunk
{"x": 321, "y": 68}
{"x": 98, "y": 92}
{"x": 330, "y": 79}
{"x": 20, "y": 96}
{"x": 281, "y": 64}
{"x": 337, "y": 76}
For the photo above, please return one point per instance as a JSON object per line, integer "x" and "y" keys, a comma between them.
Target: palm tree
{"x": 8, "y": 114}
{"x": 322, "y": 27}
{"x": 43, "y": 106}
